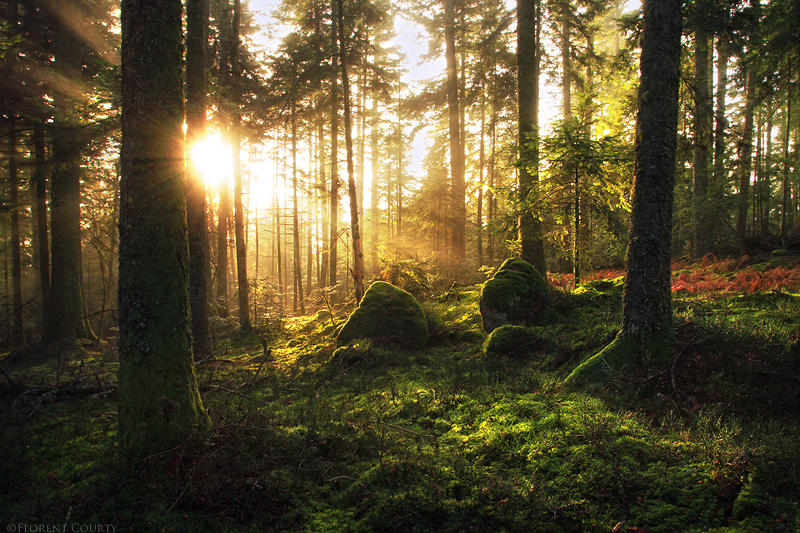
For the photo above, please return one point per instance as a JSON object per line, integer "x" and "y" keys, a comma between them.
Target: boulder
{"x": 515, "y": 294}
{"x": 387, "y": 315}
{"x": 512, "y": 341}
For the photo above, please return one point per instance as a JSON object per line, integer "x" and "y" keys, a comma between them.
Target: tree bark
{"x": 159, "y": 403}
{"x": 786, "y": 186}
{"x": 197, "y": 225}
{"x": 223, "y": 211}
{"x": 373, "y": 210}
{"x": 16, "y": 261}
{"x": 703, "y": 227}
{"x": 236, "y": 148}
{"x": 66, "y": 310}
{"x": 297, "y": 270}
{"x": 457, "y": 170}
{"x": 720, "y": 181}
{"x": 745, "y": 150}
{"x": 481, "y": 170}
{"x": 566, "y": 62}
{"x": 41, "y": 238}
{"x": 323, "y": 186}
{"x": 334, "y": 211}
{"x": 530, "y": 231}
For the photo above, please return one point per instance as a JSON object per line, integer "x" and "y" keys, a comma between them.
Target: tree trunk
{"x": 41, "y": 238}
{"x": 766, "y": 179}
{"x": 703, "y": 227}
{"x": 297, "y": 271}
{"x": 197, "y": 225}
{"x": 66, "y": 312}
{"x": 786, "y": 184}
{"x": 358, "y": 255}
{"x": 159, "y": 403}
{"x": 279, "y": 256}
{"x": 236, "y": 148}
{"x": 646, "y": 333}
{"x": 399, "y": 176}
{"x": 334, "y": 212}
{"x": 481, "y": 169}
{"x": 745, "y": 150}
{"x": 323, "y": 187}
{"x": 566, "y": 62}
{"x": 457, "y": 170}
{"x": 224, "y": 21}
{"x": 373, "y": 209}
{"x": 16, "y": 261}
{"x": 720, "y": 182}
{"x": 529, "y": 226}
{"x": 576, "y": 240}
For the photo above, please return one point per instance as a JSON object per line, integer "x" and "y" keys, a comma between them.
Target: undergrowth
{"x": 308, "y": 437}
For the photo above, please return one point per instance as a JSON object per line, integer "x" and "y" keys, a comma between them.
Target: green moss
{"x": 515, "y": 294}
{"x": 512, "y": 341}
{"x": 387, "y": 315}
{"x": 620, "y": 354}
{"x": 601, "y": 288}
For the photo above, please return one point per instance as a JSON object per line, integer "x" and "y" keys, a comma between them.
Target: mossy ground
{"x": 440, "y": 438}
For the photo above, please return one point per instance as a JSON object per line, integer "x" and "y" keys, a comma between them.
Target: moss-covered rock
{"x": 512, "y": 341}
{"x": 601, "y": 289}
{"x": 387, "y": 315}
{"x": 514, "y": 295}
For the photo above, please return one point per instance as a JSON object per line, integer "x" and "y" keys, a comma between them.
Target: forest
{"x": 423, "y": 265}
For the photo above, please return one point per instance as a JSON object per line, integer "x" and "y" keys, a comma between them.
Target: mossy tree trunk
{"x": 159, "y": 403}
{"x": 196, "y": 86}
{"x": 646, "y": 333}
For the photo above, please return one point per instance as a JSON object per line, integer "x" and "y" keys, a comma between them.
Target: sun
{"x": 211, "y": 157}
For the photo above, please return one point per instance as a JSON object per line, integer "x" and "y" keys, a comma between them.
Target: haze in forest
{"x": 363, "y": 265}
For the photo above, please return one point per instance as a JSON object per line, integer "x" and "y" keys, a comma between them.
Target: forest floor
{"x": 442, "y": 438}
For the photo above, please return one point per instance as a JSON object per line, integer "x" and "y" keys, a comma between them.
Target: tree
{"x": 224, "y": 21}
{"x": 703, "y": 136}
{"x": 580, "y": 174}
{"x": 457, "y": 168}
{"x": 236, "y": 147}
{"x": 646, "y": 333}
{"x": 530, "y": 230}
{"x": 358, "y": 254}
{"x": 159, "y": 403}
{"x": 334, "y": 96}
{"x": 66, "y": 305}
{"x": 197, "y": 225}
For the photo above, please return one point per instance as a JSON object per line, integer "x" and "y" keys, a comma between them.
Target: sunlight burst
{"x": 211, "y": 156}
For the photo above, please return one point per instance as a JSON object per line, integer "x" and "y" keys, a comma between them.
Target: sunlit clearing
{"x": 211, "y": 156}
